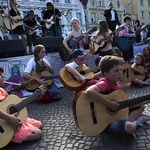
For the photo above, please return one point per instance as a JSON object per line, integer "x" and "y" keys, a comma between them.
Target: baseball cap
{"x": 78, "y": 53}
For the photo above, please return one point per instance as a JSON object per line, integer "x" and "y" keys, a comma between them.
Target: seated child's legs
{"x": 121, "y": 126}
{"x": 35, "y": 135}
{"x": 134, "y": 113}
{"x": 129, "y": 127}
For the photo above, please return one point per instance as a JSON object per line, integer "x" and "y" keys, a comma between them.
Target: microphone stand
{"x": 9, "y": 19}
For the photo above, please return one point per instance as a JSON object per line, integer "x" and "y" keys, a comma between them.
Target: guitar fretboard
{"x": 134, "y": 101}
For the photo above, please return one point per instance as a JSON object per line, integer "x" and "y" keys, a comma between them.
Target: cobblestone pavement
{"x": 60, "y": 131}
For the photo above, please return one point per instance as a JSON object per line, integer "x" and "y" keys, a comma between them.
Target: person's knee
{"x": 130, "y": 127}
{"x": 38, "y": 134}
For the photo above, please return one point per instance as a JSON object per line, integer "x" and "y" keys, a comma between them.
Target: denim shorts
{"x": 117, "y": 126}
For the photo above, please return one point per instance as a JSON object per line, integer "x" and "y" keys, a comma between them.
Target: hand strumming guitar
{"x": 13, "y": 120}
{"x": 114, "y": 105}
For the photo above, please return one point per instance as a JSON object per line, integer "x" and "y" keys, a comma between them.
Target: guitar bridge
{"x": 93, "y": 112}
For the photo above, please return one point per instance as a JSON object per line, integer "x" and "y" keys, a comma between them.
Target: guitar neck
{"x": 134, "y": 101}
{"x": 89, "y": 32}
{"x": 25, "y": 102}
{"x": 83, "y": 72}
{"x": 50, "y": 77}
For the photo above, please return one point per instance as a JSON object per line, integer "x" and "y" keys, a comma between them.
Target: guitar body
{"x": 48, "y": 26}
{"x": 64, "y": 53}
{"x": 5, "y": 106}
{"x": 95, "y": 48}
{"x": 92, "y": 117}
{"x": 123, "y": 43}
{"x": 73, "y": 83}
{"x": 44, "y": 74}
{"x": 13, "y": 24}
{"x": 129, "y": 74}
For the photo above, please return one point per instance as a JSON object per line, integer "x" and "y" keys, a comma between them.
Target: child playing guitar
{"x": 29, "y": 130}
{"x": 105, "y": 47}
{"x": 140, "y": 61}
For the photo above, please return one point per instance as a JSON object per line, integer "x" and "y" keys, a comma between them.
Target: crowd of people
{"x": 105, "y": 81}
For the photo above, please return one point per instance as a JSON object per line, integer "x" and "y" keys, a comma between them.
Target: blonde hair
{"x": 11, "y": 3}
{"x": 76, "y": 19}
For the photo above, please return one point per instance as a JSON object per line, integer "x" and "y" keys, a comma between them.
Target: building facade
{"x": 138, "y": 9}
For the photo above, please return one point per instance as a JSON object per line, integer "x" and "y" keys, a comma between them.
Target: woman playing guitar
{"x": 104, "y": 47}
{"x": 75, "y": 35}
{"x": 11, "y": 13}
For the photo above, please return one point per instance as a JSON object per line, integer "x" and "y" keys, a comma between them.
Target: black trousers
{"x": 112, "y": 25}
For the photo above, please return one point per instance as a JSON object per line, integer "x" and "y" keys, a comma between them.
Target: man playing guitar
{"x": 51, "y": 17}
{"x": 30, "y": 28}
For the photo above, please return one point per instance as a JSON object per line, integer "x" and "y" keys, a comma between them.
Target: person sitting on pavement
{"x": 29, "y": 130}
{"x": 78, "y": 57}
{"x": 111, "y": 67}
{"x": 139, "y": 61}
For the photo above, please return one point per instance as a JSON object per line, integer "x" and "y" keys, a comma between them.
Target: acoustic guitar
{"x": 128, "y": 74}
{"x": 92, "y": 117}
{"x": 71, "y": 82}
{"x": 64, "y": 53}
{"x": 9, "y": 24}
{"x": 95, "y": 48}
{"x": 125, "y": 43}
{"x": 22, "y": 86}
{"x": 43, "y": 75}
{"x": 13, "y": 104}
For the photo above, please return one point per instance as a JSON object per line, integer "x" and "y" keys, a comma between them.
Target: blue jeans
{"x": 117, "y": 126}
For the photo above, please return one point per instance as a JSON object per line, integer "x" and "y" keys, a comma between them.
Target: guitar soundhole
{"x": 11, "y": 109}
{"x": 124, "y": 71}
{"x": 111, "y": 112}
{"x": 82, "y": 72}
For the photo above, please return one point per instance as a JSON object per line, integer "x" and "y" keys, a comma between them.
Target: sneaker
{"x": 142, "y": 119}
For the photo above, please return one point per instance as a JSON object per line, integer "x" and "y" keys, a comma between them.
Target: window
{"x": 101, "y": 3}
{"x": 118, "y": 4}
{"x": 79, "y": 17}
{"x": 101, "y": 16}
{"x": 55, "y": 0}
{"x": 92, "y": 2}
{"x": 142, "y": 14}
{"x": 141, "y": 2}
{"x": 148, "y": 14}
{"x": 67, "y": 1}
{"x": 93, "y": 18}
{"x": 148, "y": 2}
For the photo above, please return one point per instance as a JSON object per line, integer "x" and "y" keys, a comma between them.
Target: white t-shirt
{"x": 74, "y": 64}
{"x": 31, "y": 65}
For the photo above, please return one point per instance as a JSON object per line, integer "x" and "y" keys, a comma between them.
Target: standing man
{"x": 51, "y": 17}
{"x": 30, "y": 28}
{"x": 111, "y": 17}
